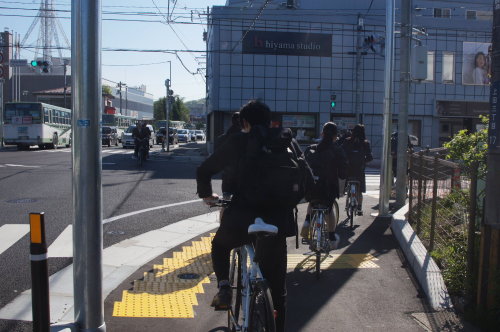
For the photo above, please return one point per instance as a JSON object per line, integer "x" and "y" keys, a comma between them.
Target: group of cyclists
{"x": 346, "y": 160}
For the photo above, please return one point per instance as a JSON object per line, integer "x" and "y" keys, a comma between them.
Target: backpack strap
{"x": 296, "y": 211}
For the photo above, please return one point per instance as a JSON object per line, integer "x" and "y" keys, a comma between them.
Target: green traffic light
{"x": 333, "y": 104}
{"x": 34, "y": 63}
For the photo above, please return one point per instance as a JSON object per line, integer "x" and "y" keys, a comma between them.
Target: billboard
{"x": 476, "y": 63}
{"x": 287, "y": 43}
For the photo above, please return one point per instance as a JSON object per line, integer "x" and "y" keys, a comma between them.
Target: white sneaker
{"x": 335, "y": 243}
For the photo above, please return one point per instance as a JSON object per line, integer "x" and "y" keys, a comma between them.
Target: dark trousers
{"x": 273, "y": 264}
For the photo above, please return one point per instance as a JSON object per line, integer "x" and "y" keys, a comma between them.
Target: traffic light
{"x": 43, "y": 65}
{"x": 333, "y": 98}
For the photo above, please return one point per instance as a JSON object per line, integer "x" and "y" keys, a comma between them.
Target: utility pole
{"x": 1, "y": 113}
{"x": 489, "y": 266}
{"x": 404, "y": 90}
{"x": 65, "y": 81}
{"x": 357, "y": 105}
{"x": 167, "y": 109}
{"x": 87, "y": 163}
{"x": 385, "y": 176}
{"x": 120, "y": 92}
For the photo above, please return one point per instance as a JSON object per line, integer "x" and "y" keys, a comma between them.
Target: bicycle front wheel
{"x": 236, "y": 285}
{"x": 261, "y": 314}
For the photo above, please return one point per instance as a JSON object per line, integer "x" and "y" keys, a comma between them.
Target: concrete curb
{"x": 425, "y": 269}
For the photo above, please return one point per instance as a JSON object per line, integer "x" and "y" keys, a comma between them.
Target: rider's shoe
{"x": 222, "y": 300}
{"x": 359, "y": 211}
{"x": 334, "y": 244}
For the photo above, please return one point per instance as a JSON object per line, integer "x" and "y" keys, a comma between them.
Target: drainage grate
{"x": 188, "y": 276}
{"x": 22, "y": 200}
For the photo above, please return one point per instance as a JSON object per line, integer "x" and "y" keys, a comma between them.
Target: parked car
{"x": 200, "y": 135}
{"x": 183, "y": 135}
{"x": 109, "y": 136}
{"x": 128, "y": 140}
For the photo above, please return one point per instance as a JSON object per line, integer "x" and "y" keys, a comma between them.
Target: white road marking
{"x": 147, "y": 210}
{"x": 10, "y": 234}
{"x": 119, "y": 262}
{"x": 15, "y": 165}
{"x": 63, "y": 245}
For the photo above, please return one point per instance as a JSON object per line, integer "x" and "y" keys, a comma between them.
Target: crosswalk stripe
{"x": 10, "y": 234}
{"x": 63, "y": 245}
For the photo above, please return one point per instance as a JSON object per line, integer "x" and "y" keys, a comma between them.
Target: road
{"x": 40, "y": 181}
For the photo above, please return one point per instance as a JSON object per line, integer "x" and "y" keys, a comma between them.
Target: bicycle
{"x": 143, "y": 151}
{"x": 351, "y": 203}
{"x": 318, "y": 234}
{"x": 253, "y": 301}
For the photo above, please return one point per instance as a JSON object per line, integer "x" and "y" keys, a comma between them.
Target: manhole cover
{"x": 22, "y": 200}
{"x": 188, "y": 276}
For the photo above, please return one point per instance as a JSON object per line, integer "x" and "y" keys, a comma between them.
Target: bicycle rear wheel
{"x": 235, "y": 281}
{"x": 261, "y": 314}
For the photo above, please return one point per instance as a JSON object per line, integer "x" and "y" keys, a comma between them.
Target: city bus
{"x": 29, "y": 123}
{"x": 121, "y": 122}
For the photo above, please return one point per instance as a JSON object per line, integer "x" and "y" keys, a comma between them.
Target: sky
{"x": 132, "y": 25}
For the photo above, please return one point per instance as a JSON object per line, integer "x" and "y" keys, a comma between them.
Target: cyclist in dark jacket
{"x": 359, "y": 153}
{"x": 329, "y": 167}
{"x": 233, "y": 230}
{"x": 140, "y": 132}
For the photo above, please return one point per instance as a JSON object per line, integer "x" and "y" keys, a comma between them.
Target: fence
{"x": 443, "y": 210}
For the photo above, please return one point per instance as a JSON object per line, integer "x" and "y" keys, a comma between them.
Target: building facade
{"x": 300, "y": 56}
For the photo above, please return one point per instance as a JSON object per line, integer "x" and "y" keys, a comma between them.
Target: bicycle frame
{"x": 250, "y": 274}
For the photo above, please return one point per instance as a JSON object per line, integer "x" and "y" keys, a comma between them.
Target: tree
{"x": 106, "y": 90}
{"x": 178, "y": 110}
{"x": 470, "y": 148}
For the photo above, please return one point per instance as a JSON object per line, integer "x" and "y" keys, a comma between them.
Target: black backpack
{"x": 270, "y": 172}
{"x": 356, "y": 155}
{"x": 322, "y": 163}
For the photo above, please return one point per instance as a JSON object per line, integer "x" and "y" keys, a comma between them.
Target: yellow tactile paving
{"x": 161, "y": 293}
{"x": 332, "y": 261}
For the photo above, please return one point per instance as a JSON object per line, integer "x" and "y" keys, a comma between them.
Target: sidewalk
{"x": 365, "y": 286}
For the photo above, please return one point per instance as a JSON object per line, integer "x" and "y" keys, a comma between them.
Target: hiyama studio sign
{"x": 287, "y": 43}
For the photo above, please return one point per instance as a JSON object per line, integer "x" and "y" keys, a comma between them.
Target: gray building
{"x": 299, "y": 56}
{"x": 28, "y": 83}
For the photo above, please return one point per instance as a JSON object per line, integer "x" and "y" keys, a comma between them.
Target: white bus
{"x": 121, "y": 122}
{"x": 27, "y": 124}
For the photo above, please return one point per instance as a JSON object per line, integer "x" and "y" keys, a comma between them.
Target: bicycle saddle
{"x": 259, "y": 226}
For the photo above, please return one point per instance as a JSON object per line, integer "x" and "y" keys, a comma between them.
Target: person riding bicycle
{"x": 329, "y": 163}
{"x": 255, "y": 117}
{"x": 359, "y": 153}
{"x": 139, "y": 133}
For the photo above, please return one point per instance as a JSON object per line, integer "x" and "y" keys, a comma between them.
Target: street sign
{"x": 18, "y": 62}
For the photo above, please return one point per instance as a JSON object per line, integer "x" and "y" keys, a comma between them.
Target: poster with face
{"x": 476, "y": 63}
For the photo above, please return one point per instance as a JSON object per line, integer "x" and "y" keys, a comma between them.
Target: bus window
{"x": 46, "y": 118}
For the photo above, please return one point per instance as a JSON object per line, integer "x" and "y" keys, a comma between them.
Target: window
{"x": 431, "y": 56}
{"x": 448, "y": 67}
{"x": 442, "y": 12}
{"x": 46, "y": 115}
{"x": 470, "y": 14}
